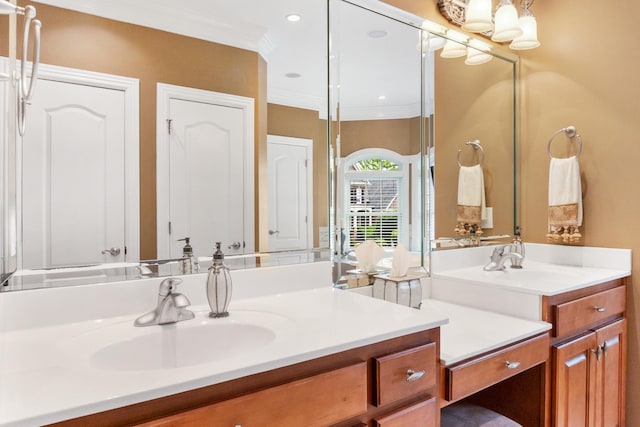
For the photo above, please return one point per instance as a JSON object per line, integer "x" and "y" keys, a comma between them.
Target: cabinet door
{"x": 611, "y": 375}
{"x": 575, "y": 368}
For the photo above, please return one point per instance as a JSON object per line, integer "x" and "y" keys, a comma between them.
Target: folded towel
{"x": 471, "y": 201}
{"x": 565, "y": 200}
{"x": 368, "y": 253}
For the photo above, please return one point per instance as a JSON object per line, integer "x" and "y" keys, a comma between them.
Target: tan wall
{"x": 399, "y": 135}
{"x": 585, "y": 73}
{"x": 462, "y": 94}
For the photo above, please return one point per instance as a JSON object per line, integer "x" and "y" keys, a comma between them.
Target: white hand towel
{"x": 471, "y": 199}
{"x": 565, "y": 200}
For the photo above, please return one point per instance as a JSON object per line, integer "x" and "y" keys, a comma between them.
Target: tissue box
{"x": 405, "y": 290}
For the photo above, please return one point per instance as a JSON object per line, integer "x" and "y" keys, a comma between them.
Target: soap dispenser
{"x": 189, "y": 263}
{"x": 517, "y": 247}
{"x": 218, "y": 285}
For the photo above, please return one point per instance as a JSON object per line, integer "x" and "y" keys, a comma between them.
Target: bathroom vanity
{"x": 328, "y": 356}
{"x": 302, "y": 353}
{"x": 581, "y": 293}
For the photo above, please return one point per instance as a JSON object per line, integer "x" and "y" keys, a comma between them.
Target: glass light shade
{"x": 529, "y": 37}
{"x": 506, "y": 23}
{"x": 453, "y": 49}
{"x": 477, "y": 57}
{"x": 434, "y": 42}
{"x": 478, "y": 16}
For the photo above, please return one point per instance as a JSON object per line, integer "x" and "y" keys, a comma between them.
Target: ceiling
{"x": 292, "y": 48}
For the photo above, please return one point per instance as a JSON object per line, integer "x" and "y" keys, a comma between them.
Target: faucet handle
{"x": 167, "y": 287}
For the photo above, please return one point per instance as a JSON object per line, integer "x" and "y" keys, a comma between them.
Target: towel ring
{"x": 476, "y": 146}
{"x": 571, "y": 132}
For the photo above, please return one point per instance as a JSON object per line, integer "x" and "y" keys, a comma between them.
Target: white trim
{"x": 308, "y": 144}
{"x": 130, "y": 87}
{"x": 166, "y": 92}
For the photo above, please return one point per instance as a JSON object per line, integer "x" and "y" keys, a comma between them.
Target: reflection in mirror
{"x": 377, "y": 73}
{"x": 475, "y": 103}
{"x": 473, "y": 97}
{"x": 108, "y": 53}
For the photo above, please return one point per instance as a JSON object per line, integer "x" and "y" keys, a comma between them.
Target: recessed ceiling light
{"x": 382, "y": 97}
{"x": 377, "y": 34}
{"x": 293, "y": 17}
{"x": 293, "y": 75}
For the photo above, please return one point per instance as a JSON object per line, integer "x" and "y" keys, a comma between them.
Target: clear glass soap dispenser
{"x": 517, "y": 246}
{"x": 189, "y": 263}
{"x": 218, "y": 285}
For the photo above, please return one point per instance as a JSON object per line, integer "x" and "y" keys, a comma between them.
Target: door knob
{"x": 234, "y": 245}
{"x": 112, "y": 251}
{"x": 272, "y": 232}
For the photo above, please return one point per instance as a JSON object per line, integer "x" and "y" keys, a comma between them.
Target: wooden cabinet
{"x": 340, "y": 390}
{"x": 589, "y": 378}
{"x": 466, "y": 378}
{"x": 588, "y": 356}
{"x": 298, "y": 403}
{"x": 404, "y": 374}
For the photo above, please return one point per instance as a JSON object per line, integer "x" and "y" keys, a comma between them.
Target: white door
{"x": 73, "y": 203}
{"x": 289, "y": 168}
{"x": 206, "y": 177}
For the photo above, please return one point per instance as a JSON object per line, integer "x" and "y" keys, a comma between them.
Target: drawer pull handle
{"x": 600, "y": 309}
{"x": 414, "y": 376}
{"x": 511, "y": 365}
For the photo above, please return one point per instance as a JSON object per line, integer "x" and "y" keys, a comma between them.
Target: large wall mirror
{"x": 153, "y": 122}
{"x": 408, "y": 120}
{"x": 271, "y": 74}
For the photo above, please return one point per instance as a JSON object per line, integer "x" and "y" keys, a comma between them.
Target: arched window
{"x": 376, "y": 198}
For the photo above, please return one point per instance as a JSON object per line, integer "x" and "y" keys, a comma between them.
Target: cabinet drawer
{"x": 421, "y": 414}
{"x": 405, "y": 373}
{"x": 319, "y": 400}
{"x": 579, "y": 314}
{"x": 470, "y": 377}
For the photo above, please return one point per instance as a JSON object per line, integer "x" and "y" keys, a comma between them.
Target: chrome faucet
{"x": 170, "y": 307}
{"x": 499, "y": 257}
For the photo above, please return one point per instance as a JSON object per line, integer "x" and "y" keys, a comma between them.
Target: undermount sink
{"x": 123, "y": 347}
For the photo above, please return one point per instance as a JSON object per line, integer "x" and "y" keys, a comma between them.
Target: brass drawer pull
{"x": 511, "y": 365}
{"x": 414, "y": 376}
{"x": 600, "y": 309}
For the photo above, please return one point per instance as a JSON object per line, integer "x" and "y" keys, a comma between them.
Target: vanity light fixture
{"x": 478, "y": 16}
{"x": 529, "y": 37}
{"x": 505, "y": 26}
{"x": 477, "y": 53}
{"x": 431, "y": 39}
{"x": 453, "y": 48}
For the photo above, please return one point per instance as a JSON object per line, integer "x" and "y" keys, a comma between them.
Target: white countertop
{"x": 537, "y": 278}
{"x": 471, "y": 331}
{"x": 47, "y": 374}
